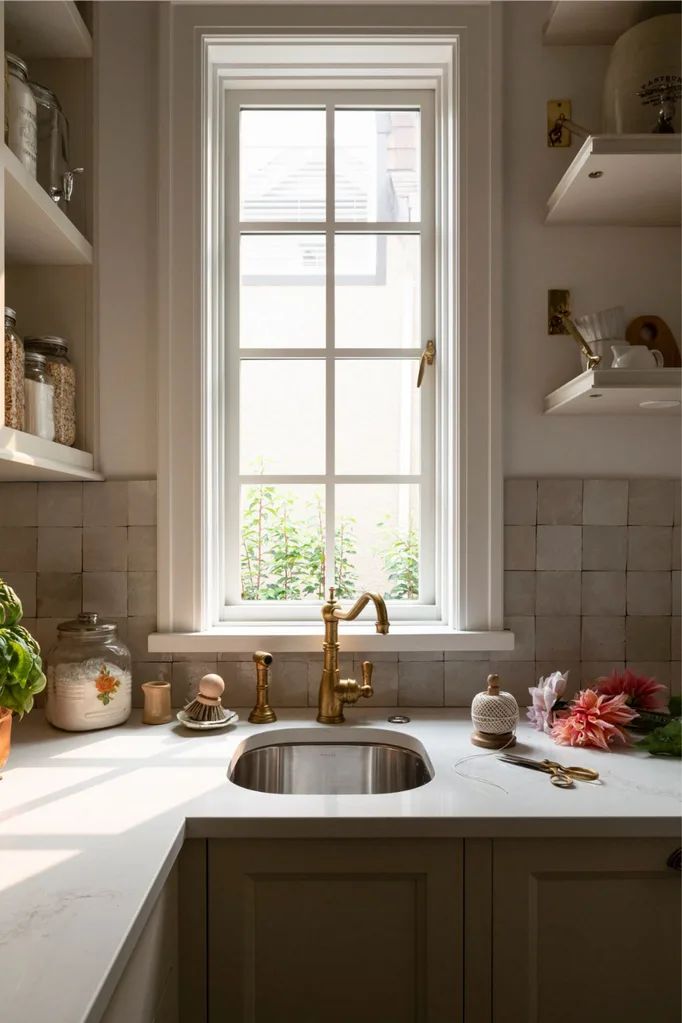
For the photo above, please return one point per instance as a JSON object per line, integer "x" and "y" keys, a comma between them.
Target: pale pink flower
{"x": 547, "y": 692}
{"x": 641, "y": 692}
{"x": 594, "y": 720}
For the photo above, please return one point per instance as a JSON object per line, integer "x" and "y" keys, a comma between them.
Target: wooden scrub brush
{"x": 206, "y": 705}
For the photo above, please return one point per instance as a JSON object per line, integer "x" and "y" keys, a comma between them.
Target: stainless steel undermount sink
{"x": 330, "y": 768}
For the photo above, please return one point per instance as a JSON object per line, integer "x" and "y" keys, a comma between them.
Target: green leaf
{"x": 21, "y": 669}
{"x": 675, "y": 706}
{"x": 665, "y": 741}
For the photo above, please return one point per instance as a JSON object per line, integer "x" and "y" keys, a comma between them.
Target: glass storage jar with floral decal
{"x": 63, "y": 377}
{"x": 89, "y": 681}
{"x": 14, "y": 373}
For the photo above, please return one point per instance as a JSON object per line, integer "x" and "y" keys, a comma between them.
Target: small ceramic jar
{"x": 88, "y": 676}
{"x": 645, "y": 58}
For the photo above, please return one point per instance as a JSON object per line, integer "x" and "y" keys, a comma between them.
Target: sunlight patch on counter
{"x": 118, "y": 804}
{"x": 20, "y": 865}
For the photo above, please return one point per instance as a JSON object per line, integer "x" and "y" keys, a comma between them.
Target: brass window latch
{"x": 428, "y": 355}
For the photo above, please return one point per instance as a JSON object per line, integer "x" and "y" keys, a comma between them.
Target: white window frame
{"x": 226, "y": 268}
{"x": 456, "y": 51}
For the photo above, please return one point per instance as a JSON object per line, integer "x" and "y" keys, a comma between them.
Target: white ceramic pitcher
{"x": 635, "y": 357}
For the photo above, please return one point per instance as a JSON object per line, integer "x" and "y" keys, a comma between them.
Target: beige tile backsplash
{"x": 592, "y": 581}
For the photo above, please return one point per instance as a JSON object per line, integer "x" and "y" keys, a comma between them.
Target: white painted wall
{"x": 602, "y": 266}
{"x": 635, "y": 267}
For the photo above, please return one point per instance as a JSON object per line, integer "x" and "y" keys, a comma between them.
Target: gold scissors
{"x": 561, "y": 776}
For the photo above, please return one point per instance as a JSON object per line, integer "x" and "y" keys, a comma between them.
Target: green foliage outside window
{"x": 283, "y": 550}
{"x": 399, "y": 551}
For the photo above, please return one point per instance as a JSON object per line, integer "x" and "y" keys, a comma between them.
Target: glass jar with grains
{"x": 38, "y": 397}
{"x": 88, "y": 675}
{"x": 63, "y": 377}
{"x": 14, "y": 373}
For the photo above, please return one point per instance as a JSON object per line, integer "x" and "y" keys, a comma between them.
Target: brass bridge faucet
{"x": 334, "y": 692}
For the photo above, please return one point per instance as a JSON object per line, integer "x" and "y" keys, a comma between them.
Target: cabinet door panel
{"x": 321, "y": 930}
{"x": 585, "y": 931}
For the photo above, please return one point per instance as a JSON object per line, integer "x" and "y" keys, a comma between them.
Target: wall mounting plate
{"x": 558, "y": 138}
{"x": 558, "y": 305}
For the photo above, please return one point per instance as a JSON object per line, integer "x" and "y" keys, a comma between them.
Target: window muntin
{"x": 330, "y": 459}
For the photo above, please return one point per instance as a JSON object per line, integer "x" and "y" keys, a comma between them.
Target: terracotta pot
{"x": 5, "y": 732}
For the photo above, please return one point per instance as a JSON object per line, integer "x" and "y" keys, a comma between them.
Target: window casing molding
{"x": 208, "y": 51}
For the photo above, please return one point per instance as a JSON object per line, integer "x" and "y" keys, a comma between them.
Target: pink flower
{"x": 640, "y": 691}
{"x": 547, "y": 692}
{"x": 594, "y": 720}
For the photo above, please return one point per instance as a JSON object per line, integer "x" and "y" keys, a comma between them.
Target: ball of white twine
{"x": 494, "y": 713}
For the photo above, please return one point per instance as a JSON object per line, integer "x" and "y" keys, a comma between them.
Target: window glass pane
{"x": 282, "y": 542}
{"x": 281, "y": 416}
{"x": 377, "y": 291}
{"x": 377, "y": 416}
{"x": 282, "y": 164}
{"x": 377, "y": 165}
{"x": 377, "y": 539}
{"x": 282, "y": 291}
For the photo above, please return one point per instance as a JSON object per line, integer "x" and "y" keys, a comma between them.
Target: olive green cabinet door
{"x": 585, "y": 931}
{"x": 335, "y": 931}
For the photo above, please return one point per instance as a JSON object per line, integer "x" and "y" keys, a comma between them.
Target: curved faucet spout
{"x": 382, "y": 623}
{"x": 333, "y": 694}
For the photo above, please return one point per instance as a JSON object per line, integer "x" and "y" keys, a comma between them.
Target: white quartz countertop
{"x": 91, "y": 824}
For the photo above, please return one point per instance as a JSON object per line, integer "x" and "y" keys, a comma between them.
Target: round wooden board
{"x": 491, "y": 741}
{"x": 654, "y": 332}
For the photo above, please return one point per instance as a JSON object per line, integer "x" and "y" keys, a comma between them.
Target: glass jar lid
{"x": 10, "y": 314}
{"x": 47, "y": 344}
{"x": 15, "y": 63}
{"x": 88, "y": 623}
{"x": 35, "y": 359}
{"x": 45, "y": 96}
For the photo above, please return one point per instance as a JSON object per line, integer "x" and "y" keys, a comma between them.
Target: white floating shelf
{"x": 36, "y": 230}
{"x": 639, "y": 183}
{"x": 580, "y": 23}
{"x": 46, "y": 28}
{"x": 618, "y": 392}
{"x": 29, "y": 458}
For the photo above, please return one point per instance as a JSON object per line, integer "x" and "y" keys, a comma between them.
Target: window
{"x": 331, "y": 204}
{"x": 329, "y": 300}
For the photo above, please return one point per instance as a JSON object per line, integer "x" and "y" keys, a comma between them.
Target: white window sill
{"x": 308, "y": 639}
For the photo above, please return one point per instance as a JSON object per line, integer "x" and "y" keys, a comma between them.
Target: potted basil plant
{"x": 21, "y": 669}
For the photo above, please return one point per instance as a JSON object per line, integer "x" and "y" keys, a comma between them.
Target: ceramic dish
{"x": 207, "y": 726}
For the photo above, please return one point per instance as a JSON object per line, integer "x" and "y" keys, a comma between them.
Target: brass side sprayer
{"x": 262, "y": 713}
